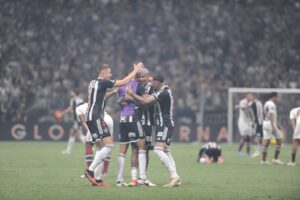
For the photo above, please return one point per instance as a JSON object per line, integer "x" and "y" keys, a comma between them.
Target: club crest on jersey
{"x": 105, "y": 130}
{"x": 160, "y": 134}
{"x": 131, "y": 134}
{"x": 122, "y": 119}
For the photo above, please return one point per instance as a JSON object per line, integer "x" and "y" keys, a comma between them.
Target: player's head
{"x": 104, "y": 71}
{"x": 157, "y": 81}
{"x": 273, "y": 96}
{"x": 143, "y": 75}
{"x": 74, "y": 92}
{"x": 254, "y": 96}
{"x": 249, "y": 96}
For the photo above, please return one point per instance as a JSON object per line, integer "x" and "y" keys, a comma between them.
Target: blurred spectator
{"x": 48, "y": 47}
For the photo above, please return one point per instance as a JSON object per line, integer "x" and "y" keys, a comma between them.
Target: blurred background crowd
{"x": 201, "y": 47}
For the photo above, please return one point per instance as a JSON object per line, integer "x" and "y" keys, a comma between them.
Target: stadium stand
{"x": 47, "y": 47}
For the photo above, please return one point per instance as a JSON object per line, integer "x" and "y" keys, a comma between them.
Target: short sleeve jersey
{"x": 131, "y": 109}
{"x": 295, "y": 114}
{"x": 164, "y": 107}
{"x": 258, "y": 111}
{"x": 270, "y": 108}
{"x": 148, "y": 111}
{"x": 96, "y": 98}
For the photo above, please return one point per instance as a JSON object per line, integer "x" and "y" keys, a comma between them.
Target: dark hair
{"x": 273, "y": 94}
{"x": 102, "y": 67}
{"x": 75, "y": 90}
{"x": 159, "y": 77}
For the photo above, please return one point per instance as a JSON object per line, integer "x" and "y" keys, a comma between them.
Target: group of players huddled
{"x": 146, "y": 123}
{"x": 146, "y": 109}
{"x": 259, "y": 121}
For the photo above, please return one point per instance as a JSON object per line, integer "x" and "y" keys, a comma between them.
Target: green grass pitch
{"x": 38, "y": 170}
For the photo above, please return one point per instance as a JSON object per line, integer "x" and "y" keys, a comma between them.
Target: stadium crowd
{"x": 202, "y": 48}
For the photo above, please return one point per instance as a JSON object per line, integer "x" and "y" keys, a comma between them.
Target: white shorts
{"x": 296, "y": 134}
{"x": 268, "y": 133}
{"x": 88, "y": 137}
{"x": 244, "y": 128}
{"x": 109, "y": 122}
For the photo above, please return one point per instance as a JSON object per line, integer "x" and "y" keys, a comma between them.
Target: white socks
{"x": 168, "y": 152}
{"x": 71, "y": 143}
{"x": 166, "y": 161}
{"x": 98, "y": 172}
{"x": 134, "y": 172}
{"x": 121, "y": 166}
{"x": 142, "y": 164}
{"x": 100, "y": 156}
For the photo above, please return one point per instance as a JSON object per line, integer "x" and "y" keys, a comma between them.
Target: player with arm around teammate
{"x": 295, "y": 122}
{"x": 147, "y": 117}
{"x": 146, "y": 120}
{"x": 131, "y": 132}
{"x": 95, "y": 114}
{"x": 163, "y": 102}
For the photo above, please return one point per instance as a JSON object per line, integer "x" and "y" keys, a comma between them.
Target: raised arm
{"x": 130, "y": 76}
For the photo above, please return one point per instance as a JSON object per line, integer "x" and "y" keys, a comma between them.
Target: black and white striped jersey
{"x": 164, "y": 107}
{"x": 96, "y": 98}
{"x": 258, "y": 112}
{"x": 147, "y": 117}
{"x": 75, "y": 101}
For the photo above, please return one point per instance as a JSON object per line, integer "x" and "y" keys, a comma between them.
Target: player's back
{"x": 211, "y": 145}
{"x": 96, "y": 98}
{"x": 258, "y": 111}
{"x": 164, "y": 108}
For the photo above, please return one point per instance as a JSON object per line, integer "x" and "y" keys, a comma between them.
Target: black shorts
{"x": 98, "y": 129}
{"x": 149, "y": 138}
{"x": 130, "y": 132}
{"x": 259, "y": 131}
{"x": 163, "y": 134}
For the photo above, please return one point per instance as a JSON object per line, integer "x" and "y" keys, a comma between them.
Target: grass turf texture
{"x": 38, "y": 170}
